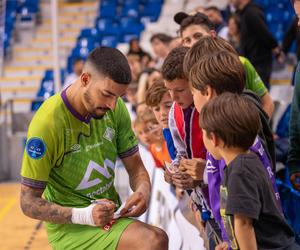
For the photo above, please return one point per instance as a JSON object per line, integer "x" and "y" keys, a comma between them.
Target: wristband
{"x": 83, "y": 216}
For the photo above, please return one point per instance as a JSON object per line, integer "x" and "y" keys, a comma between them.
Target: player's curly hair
{"x": 172, "y": 67}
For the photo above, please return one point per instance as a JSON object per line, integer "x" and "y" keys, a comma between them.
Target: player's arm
{"x": 255, "y": 84}
{"x": 139, "y": 180}
{"x": 127, "y": 146}
{"x": 267, "y": 104}
{"x": 34, "y": 206}
{"x": 244, "y": 232}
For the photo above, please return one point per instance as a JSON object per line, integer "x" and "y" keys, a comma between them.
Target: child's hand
{"x": 193, "y": 167}
{"x": 222, "y": 246}
{"x": 183, "y": 181}
{"x": 168, "y": 176}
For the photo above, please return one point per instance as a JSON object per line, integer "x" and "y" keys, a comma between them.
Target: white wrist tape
{"x": 83, "y": 216}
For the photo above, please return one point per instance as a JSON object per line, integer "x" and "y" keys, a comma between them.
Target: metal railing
{"x": 13, "y": 131}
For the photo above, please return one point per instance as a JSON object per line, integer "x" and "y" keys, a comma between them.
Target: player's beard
{"x": 93, "y": 111}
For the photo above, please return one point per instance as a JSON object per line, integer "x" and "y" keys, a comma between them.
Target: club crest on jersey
{"x": 35, "y": 148}
{"x": 75, "y": 147}
{"x": 109, "y": 134}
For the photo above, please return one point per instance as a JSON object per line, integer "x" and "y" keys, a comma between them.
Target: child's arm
{"x": 244, "y": 232}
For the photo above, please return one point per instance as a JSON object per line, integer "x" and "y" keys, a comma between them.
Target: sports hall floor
{"x": 18, "y": 232}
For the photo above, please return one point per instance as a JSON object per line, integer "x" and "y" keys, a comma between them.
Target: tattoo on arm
{"x": 34, "y": 206}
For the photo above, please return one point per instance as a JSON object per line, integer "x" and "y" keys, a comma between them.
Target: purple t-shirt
{"x": 215, "y": 170}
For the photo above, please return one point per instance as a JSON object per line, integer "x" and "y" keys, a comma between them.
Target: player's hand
{"x": 135, "y": 205}
{"x": 295, "y": 180}
{"x": 193, "y": 167}
{"x": 103, "y": 213}
{"x": 222, "y": 246}
{"x": 168, "y": 176}
{"x": 183, "y": 181}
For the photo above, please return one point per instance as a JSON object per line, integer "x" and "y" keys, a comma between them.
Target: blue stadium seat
{"x": 82, "y": 52}
{"x": 33, "y": 5}
{"x": 130, "y": 11}
{"x": 131, "y": 2}
{"x": 93, "y": 33}
{"x": 108, "y": 27}
{"x": 103, "y": 23}
{"x": 108, "y": 11}
{"x": 151, "y": 11}
{"x": 130, "y": 27}
{"x": 86, "y": 42}
{"x": 49, "y": 75}
{"x": 11, "y": 5}
{"x": 26, "y": 14}
{"x": 126, "y": 22}
{"x": 46, "y": 89}
{"x": 110, "y": 41}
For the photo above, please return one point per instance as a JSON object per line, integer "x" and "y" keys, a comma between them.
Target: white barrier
{"x": 163, "y": 209}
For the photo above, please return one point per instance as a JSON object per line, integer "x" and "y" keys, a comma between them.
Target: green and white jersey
{"x": 253, "y": 80}
{"x": 73, "y": 157}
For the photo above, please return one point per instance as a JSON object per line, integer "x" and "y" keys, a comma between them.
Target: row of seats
{"x": 118, "y": 21}
{"x": 21, "y": 10}
{"x": 46, "y": 89}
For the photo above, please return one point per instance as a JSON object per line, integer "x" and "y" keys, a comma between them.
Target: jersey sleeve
{"x": 127, "y": 143}
{"x": 253, "y": 80}
{"x": 39, "y": 154}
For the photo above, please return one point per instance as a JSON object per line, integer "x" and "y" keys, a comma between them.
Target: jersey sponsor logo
{"x": 101, "y": 190}
{"x": 35, "y": 148}
{"x": 109, "y": 134}
{"x": 87, "y": 183}
{"x": 90, "y": 147}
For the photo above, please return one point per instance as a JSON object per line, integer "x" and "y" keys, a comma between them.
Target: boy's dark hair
{"x": 162, "y": 37}
{"x": 172, "y": 67}
{"x": 205, "y": 46}
{"x": 111, "y": 63}
{"x": 222, "y": 71}
{"x": 232, "y": 118}
{"x": 155, "y": 93}
{"x": 197, "y": 19}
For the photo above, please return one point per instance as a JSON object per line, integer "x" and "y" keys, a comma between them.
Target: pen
{"x": 100, "y": 202}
